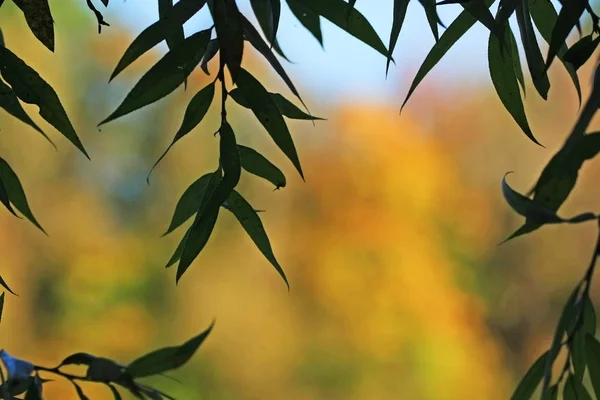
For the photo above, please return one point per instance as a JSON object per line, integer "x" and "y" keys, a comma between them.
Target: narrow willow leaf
{"x": 176, "y": 256}
{"x": 192, "y": 199}
{"x": 78, "y": 359}
{"x": 259, "y": 44}
{"x": 503, "y": 76}
{"x": 535, "y": 60}
{"x": 455, "y": 31}
{"x": 253, "y": 226}
{"x": 349, "y": 19}
{"x": 581, "y": 51}
{"x": 10, "y": 103}
{"x": 35, "y": 390}
{"x": 170, "y": 23}
{"x": 544, "y": 17}
{"x": 268, "y": 13}
{"x": 592, "y": 350}
{"x": 588, "y": 326}
{"x": 228, "y": 24}
{"x": 16, "y": 194}
{"x": 566, "y": 319}
{"x": 531, "y": 379}
{"x": 530, "y": 209}
{"x": 506, "y": 9}
{"x": 265, "y": 109}
{"x": 517, "y": 61}
{"x": 79, "y": 391}
{"x": 310, "y": 20}
{"x": 39, "y": 18}
{"x": 551, "y": 393}
{"x": 114, "y": 392}
{"x": 256, "y": 164}
{"x": 286, "y": 107}
{"x": 211, "y": 51}
{"x": 174, "y": 39}
{"x": 479, "y": 9}
{"x": 194, "y": 114}
{"x": 568, "y": 17}
{"x": 168, "y": 358}
{"x": 32, "y": 89}
{"x": 432, "y": 16}
{"x": 5, "y": 286}
{"x": 574, "y": 390}
{"x": 400, "y": 7}
{"x": 229, "y": 160}
{"x": 165, "y": 76}
{"x": 1, "y": 304}
{"x": 4, "y": 198}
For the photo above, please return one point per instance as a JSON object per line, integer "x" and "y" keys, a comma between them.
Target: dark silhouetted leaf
{"x": 79, "y": 391}
{"x": 228, "y": 24}
{"x": 165, "y": 7}
{"x": 166, "y": 26}
{"x": 78, "y": 359}
{"x": 268, "y": 13}
{"x": 16, "y": 194}
{"x": 32, "y": 89}
{"x": 105, "y": 370}
{"x": 253, "y": 226}
{"x": 267, "y": 112}
{"x": 286, "y": 107}
{"x": 502, "y": 72}
{"x": 574, "y": 390}
{"x": 544, "y": 17}
{"x": 115, "y": 392}
{"x": 479, "y": 9}
{"x": 39, "y": 18}
{"x": 400, "y": 7}
{"x": 349, "y": 19}
{"x": 211, "y": 51}
{"x": 517, "y": 61}
{"x": 455, "y": 31}
{"x": 5, "y": 286}
{"x": 310, "y": 20}
{"x": 194, "y": 113}
{"x": 4, "y": 198}
{"x": 10, "y": 103}
{"x": 164, "y": 76}
{"x": 531, "y": 379}
{"x": 568, "y": 17}
{"x": 592, "y": 350}
{"x": 167, "y": 358}
{"x": 581, "y": 51}
{"x": 588, "y": 326}
{"x": 535, "y": 60}
{"x": 256, "y": 164}
{"x": 432, "y": 16}
{"x": 1, "y": 304}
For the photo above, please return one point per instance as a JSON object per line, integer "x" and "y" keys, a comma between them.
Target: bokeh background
{"x": 398, "y": 287}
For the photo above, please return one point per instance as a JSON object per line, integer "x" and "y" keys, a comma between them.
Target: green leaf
{"x": 565, "y": 321}
{"x": 592, "y": 350}
{"x": 455, "y": 31}
{"x": 5, "y": 286}
{"x": 32, "y": 89}
{"x": 253, "y": 226}
{"x": 229, "y": 160}
{"x": 286, "y": 107}
{"x": 268, "y": 13}
{"x": 259, "y": 44}
{"x": 256, "y": 164}
{"x": 228, "y": 24}
{"x": 211, "y": 51}
{"x": 164, "y": 76}
{"x": 531, "y": 379}
{"x": 432, "y": 16}
{"x": 10, "y": 103}
{"x": 168, "y": 358}
{"x": 265, "y": 109}
{"x": 39, "y": 19}
{"x": 400, "y": 7}
{"x": 544, "y": 17}
{"x": 4, "y": 198}
{"x": 78, "y": 359}
{"x": 310, "y": 20}
{"x": 517, "y": 62}
{"x": 170, "y": 23}
{"x": 191, "y": 200}
{"x": 115, "y": 392}
{"x": 194, "y": 114}
{"x": 581, "y": 51}
{"x": 349, "y": 19}
{"x": 177, "y": 37}
{"x": 1, "y": 304}
{"x": 502, "y": 72}
{"x": 574, "y": 390}
{"x": 16, "y": 194}
{"x": 535, "y": 60}
{"x": 588, "y": 326}
{"x": 568, "y": 17}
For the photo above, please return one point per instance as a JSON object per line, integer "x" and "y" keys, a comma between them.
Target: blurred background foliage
{"x": 398, "y": 285}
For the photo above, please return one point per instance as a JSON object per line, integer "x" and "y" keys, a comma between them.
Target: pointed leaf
{"x": 502, "y": 72}
{"x": 432, "y": 16}
{"x": 167, "y": 25}
{"x": 32, "y": 89}
{"x": 253, "y": 226}
{"x": 264, "y": 108}
{"x": 168, "y": 358}
{"x": 400, "y": 7}
{"x": 268, "y": 13}
{"x": 211, "y": 51}
{"x": 531, "y": 379}
{"x": 165, "y": 7}
{"x": 574, "y": 390}
{"x": 4, "y": 198}
{"x": 588, "y": 326}
{"x": 5, "y": 286}
{"x": 568, "y": 17}
{"x": 1, "y": 304}
{"x": 165, "y": 76}
{"x": 35, "y": 390}
{"x": 592, "y": 350}
{"x": 228, "y": 24}
{"x": 16, "y": 194}
{"x": 79, "y": 391}
{"x": 194, "y": 114}
{"x": 286, "y": 107}
{"x": 191, "y": 200}
{"x": 115, "y": 392}
{"x": 581, "y": 51}
{"x": 256, "y": 164}
{"x": 310, "y": 20}
{"x": 39, "y": 18}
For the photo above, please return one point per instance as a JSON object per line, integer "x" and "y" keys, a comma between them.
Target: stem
{"x": 58, "y": 372}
